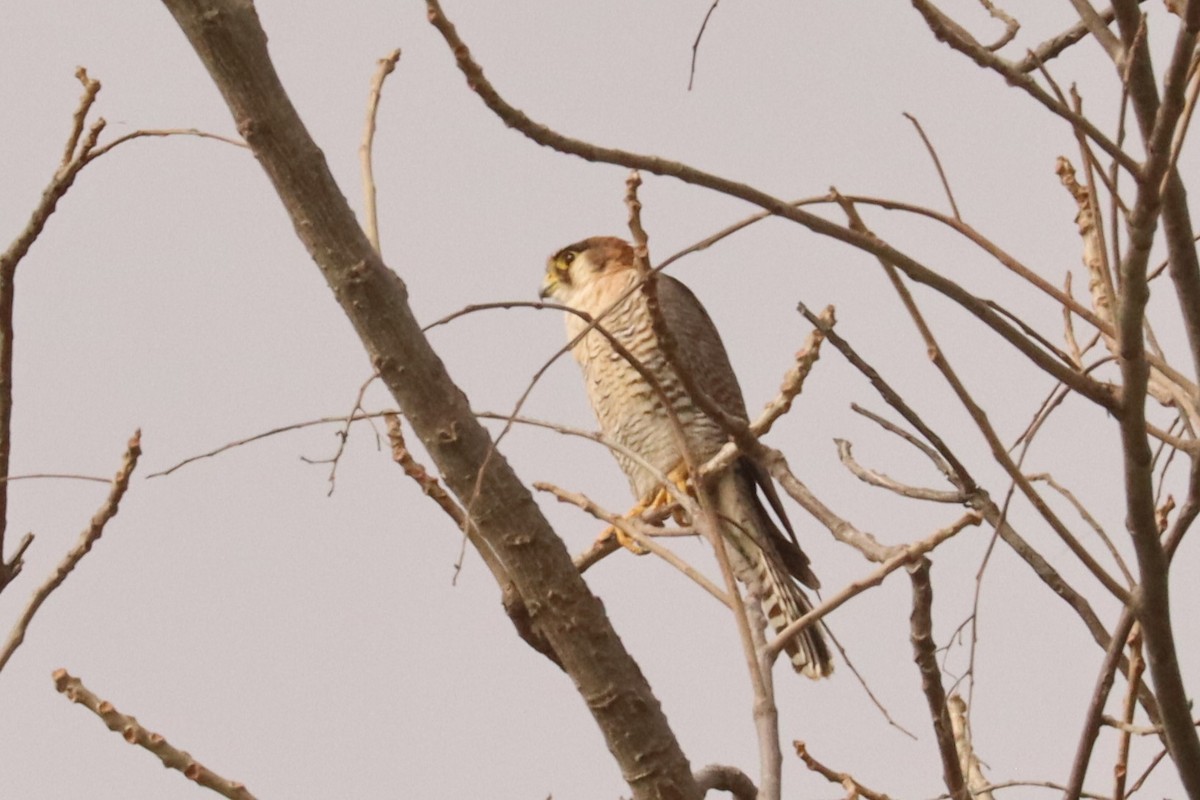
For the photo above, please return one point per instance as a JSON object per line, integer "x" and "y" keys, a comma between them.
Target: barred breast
{"x": 629, "y": 409}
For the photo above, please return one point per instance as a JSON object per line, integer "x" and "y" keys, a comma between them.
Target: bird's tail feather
{"x": 757, "y": 561}
{"x": 784, "y": 602}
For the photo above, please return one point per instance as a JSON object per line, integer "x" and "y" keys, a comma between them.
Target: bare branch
{"x": 696, "y": 44}
{"x": 59, "y": 184}
{"x": 132, "y": 731}
{"x": 634, "y": 531}
{"x": 884, "y": 482}
{"x": 641, "y": 246}
{"x": 847, "y": 781}
{"x": 937, "y": 162}
{"x": 971, "y": 767}
{"x": 953, "y": 34}
{"x": 91, "y": 88}
{"x": 1097, "y": 26}
{"x": 1159, "y": 192}
{"x": 295, "y": 426}
{"x": 1087, "y": 517}
{"x": 904, "y": 557}
{"x": 1055, "y": 45}
{"x": 924, "y": 653}
{"x": 1011, "y": 26}
{"x": 108, "y": 510}
{"x": 1128, "y": 706}
{"x": 793, "y": 381}
{"x": 723, "y": 778}
{"x": 385, "y": 66}
{"x": 1093, "y": 716}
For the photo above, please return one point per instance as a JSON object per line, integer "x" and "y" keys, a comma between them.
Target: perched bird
{"x": 596, "y": 276}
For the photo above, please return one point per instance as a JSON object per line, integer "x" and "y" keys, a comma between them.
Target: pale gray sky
{"x": 314, "y": 646}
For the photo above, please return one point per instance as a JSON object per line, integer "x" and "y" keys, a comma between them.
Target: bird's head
{"x": 578, "y": 267}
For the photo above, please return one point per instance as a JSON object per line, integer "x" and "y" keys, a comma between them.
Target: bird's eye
{"x": 567, "y": 258}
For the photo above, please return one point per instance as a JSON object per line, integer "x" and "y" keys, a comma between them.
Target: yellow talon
{"x": 623, "y": 539}
{"x": 661, "y": 498}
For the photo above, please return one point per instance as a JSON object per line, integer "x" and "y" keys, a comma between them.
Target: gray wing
{"x": 701, "y": 352}
{"x": 698, "y": 346}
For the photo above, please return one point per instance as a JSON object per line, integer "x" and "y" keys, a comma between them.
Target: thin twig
{"x": 1055, "y": 45}
{"x": 1087, "y": 517}
{"x": 162, "y": 133}
{"x": 385, "y": 66}
{"x": 933, "y": 455}
{"x": 858, "y": 676}
{"x": 696, "y": 44}
{"x": 1011, "y": 26}
{"x": 32, "y": 476}
{"x": 343, "y": 436}
{"x": 847, "y": 781}
{"x": 295, "y": 426}
{"x": 906, "y": 556}
{"x": 937, "y": 163}
{"x": 1128, "y": 706}
{"x": 132, "y": 731}
{"x": 878, "y": 479}
{"x": 1094, "y": 714}
{"x": 1154, "y": 762}
{"x": 634, "y": 532}
{"x": 91, "y": 88}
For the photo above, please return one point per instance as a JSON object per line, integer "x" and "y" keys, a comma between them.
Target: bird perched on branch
{"x": 598, "y": 277}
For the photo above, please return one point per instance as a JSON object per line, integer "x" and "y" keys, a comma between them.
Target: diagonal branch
{"x": 1097, "y": 26}
{"x": 229, "y": 40}
{"x": 132, "y": 731}
{"x": 89, "y": 536}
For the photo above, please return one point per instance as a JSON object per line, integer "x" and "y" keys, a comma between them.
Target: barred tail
{"x": 772, "y": 564}
{"x": 784, "y": 602}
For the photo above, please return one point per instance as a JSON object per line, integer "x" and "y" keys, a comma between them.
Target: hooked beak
{"x": 549, "y": 284}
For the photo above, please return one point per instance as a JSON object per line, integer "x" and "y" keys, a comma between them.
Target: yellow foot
{"x": 623, "y": 539}
{"x": 661, "y": 498}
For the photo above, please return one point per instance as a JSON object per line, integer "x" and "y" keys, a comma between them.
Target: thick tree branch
{"x": 229, "y": 40}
